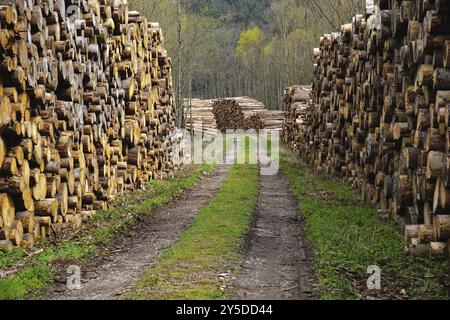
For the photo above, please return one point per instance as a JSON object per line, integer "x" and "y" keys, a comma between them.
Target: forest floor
{"x": 109, "y": 275}
{"x": 348, "y": 237}
{"x": 25, "y": 273}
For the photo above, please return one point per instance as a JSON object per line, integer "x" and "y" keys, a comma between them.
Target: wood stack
{"x": 85, "y": 112}
{"x": 381, "y": 112}
{"x": 273, "y": 120}
{"x": 254, "y": 115}
{"x": 238, "y": 113}
{"x": 199, "y": 116}
{"x": 254, "y": 121}
{"x": 296, "y": 117}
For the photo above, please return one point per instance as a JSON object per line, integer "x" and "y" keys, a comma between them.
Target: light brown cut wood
{"x": 75, "y": 101}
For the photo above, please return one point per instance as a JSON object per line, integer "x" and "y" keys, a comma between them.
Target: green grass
{"x": 36, "y": 271}
{"x": 349, "y": 236}
{"x": 191, "y": 268}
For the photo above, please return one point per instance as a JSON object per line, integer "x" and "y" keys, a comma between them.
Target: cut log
{"x": 27, "y": 220}
{"x": 28, "y": 240}
{"x": 16, "y": 233}
{"x": 7, "y": 209}
{"x": 2, "y": 151}
{"x": 435, "y": 164}
{"x": 47, "y": 208}
{"x": 5, "y": 245}
{"x": 442, "y": 226}
{"x": 438, "y": 248}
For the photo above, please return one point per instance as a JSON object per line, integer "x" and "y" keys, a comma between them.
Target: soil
{"x": 110, "y": 274}
{"x": 278, "y": 260}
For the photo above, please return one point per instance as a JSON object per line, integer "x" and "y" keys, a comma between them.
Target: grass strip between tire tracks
{"x": 198, "y": 266}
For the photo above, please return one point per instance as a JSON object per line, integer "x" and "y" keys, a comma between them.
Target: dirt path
{"x": 109, "y": 276}
{"x": 278, "y": 262}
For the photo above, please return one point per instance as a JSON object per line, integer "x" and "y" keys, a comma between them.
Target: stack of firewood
{"x": 199, "y": 116}
{"x": 245, "y": 113}
{"x": 296, "y": 117}
{"x": 238, "y": 113}
{"x": 273, "y": 120}
{"x": 85, "y": 112}
{"x": 381, "y": 112}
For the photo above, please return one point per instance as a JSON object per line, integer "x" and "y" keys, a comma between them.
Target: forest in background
{"x": 223, "y": 48}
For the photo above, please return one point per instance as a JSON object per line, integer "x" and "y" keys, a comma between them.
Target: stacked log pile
{"x": 296, "y": 117}
{"x": 199, "y": 116}
{"x": 85, "y": 112}
{"x": 238, "y": 113}
{"x": 273, "y": 120}
{"x": 245, "y": 113}
{"x": 381, "y": 112}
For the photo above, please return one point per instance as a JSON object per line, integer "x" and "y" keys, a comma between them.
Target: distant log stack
{"x": 238, "y": 113}
{"x": 296, "y": 117}
{"x": 199, "y": 116}
{"x": 254, "y": 121}
{"x": 273, "y": 120}
{"x": 228, "y": 115}
{"x": 85, "y": 112}
{"x": 380, "y": 114}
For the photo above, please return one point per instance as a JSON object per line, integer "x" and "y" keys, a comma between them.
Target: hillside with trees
{"x": 251, "y": 47}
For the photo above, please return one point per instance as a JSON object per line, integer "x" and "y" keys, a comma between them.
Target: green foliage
{"x": 212, "y": 59}
{"x": 250, "y": 41}
{"x": 28, "y": 280}
{"x": 190, "y": 269}
{"x": 11, "y": 257}
{"x": 241, "y": 12}
{"x": 348, "y": 237}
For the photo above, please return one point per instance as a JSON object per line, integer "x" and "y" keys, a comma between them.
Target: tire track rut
{"x": 278, "y": 262}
